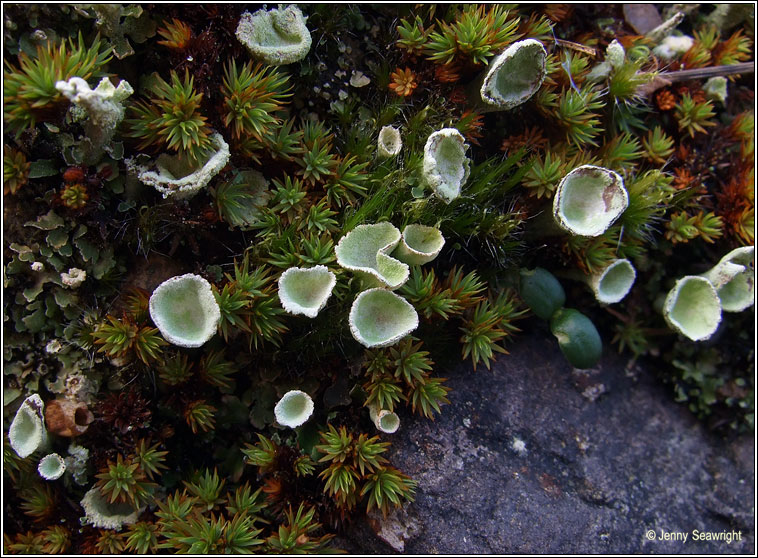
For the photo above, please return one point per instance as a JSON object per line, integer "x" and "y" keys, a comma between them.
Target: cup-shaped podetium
{"x": 380, "y": 318}
{"x": 389, "y": 143}
{"x": 588, "y": 200}
{"x": 51, "y": 467}
{"x": 305, "y": 291}
{"x": 179, "y": 177}
{"x": 185, "y": 311}
{"x": 100, "y": 513}
{"x": 577, "y": 337}
{"x": 614, "y": 282}
{"x": 384, "y": 420}
{"x": 27, "y": 431}
{"x": 734, "y": 279}
{"x": 294, "y": 408}
{"x": 515, "y": 75}
{"x": 366, "y": 250}
{"x": 277, "y": 36}
{"x": 446, "y": 167}
{"x": 693, "y": 308}
{"x": 419, "y": 245}
{"x": 541, "y": 292}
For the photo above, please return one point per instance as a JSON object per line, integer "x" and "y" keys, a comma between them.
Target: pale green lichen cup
{"x": 446, "y": 167}
{"x": 305, "y": 291}
{"x": 515, "y": 75}
{"x": 588, "y": 200}
{"x": 51, "y": 467}
{"x": 277, "y": 36}
{"x": 734, "y": 279}
{"x": 293, "y": 409}
{"x": 693, "y": 308}
{"x": 419, "y": 245}
{"x": 27, "y": 431}
{"x": 614, "y": 282}
{"x": 366, "y": 250}
{"x": 380, "y": 318}
{"x": 185, "y": 311}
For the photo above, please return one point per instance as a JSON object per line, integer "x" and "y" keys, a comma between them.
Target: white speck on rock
{"x": 519, "y": 446}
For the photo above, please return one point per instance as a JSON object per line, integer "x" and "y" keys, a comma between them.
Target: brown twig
{"x": 667, "y": 78}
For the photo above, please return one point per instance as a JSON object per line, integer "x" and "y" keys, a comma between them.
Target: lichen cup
{"x": 380, "y": 318}
{"x": 419, "y": 245}
{"x": 185, "y": 310}
{"x": 102, "y": 514}
{"x": 294, "y": 409}
{"x": 693, "y": 308}
{"x": 277, "y": 36}
{"x": 613, "y": 283}
{"x": 305, "y": 291}
{"x": 389, "y": 142}
{"x": 384, "y": 420}
{"x": 51, "y": 467}
{"x": 175, "y": 176}
{"x": 588, "y": 200}
{"x": 365, "y": 250}
{"x": 446, "y": 167}
{"x": 515, "y": 75}
{"x": 734, "y": 279}
{"x": 27, "y": 432}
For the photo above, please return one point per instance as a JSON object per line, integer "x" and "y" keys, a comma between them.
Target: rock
{"x": 523, "y": 461}
{"x": 642, "y": 17}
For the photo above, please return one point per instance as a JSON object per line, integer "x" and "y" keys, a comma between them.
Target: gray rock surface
{"x": 535, "y": 457}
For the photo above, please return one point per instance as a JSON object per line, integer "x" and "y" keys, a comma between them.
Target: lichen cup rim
{"x": 373, "y": 261}
{"x": 205, "y": 308}
{"x": 29, "y": 423}
{"x": 734, "y": 279}
{"x": 386, "y": 336}
{"x": 699, "y": 319}
{"x": 590, "y": 213}
{"x": 275, "y": 54}
{"x": 611, "y": 284}
{"x": 291, "y": 297}
{"x": 418, "y": 251}
{"x": 51, "y": 473}
{"x": 492, "y": 96}
{"x": 445, "y": 181}
{"x": 389, "y": 149}
{"x": 283, "y": 408}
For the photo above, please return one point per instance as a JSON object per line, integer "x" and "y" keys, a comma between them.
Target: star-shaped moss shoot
{"x": 380, "y": 318}
{"x": 734, "y": 279}
{"x": 419, "y": 245}
{"x": 693, "y": 308}
{"x": 277, "y": 36}
{"x": 515, "y": 75}
{"x": 294, "y": 408}
{"x": 366, "y": 250}
{"x": 588, "y": 200}
{"x": 185, "y": 310}
{"x": 305, "y": 291}
{"x": 446, "y": 167}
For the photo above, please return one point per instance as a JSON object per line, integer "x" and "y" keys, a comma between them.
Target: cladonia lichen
{"x": 278, "y": 36}
{"x": 446, "y": 167}
{"x": 173, "y": 175}
{"x": 185, "y": 310}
